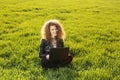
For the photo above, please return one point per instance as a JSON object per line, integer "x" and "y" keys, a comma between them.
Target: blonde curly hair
{"x": 45, "y": 31}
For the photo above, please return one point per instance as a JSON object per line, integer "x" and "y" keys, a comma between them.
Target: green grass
{"x": 93, "y": 34}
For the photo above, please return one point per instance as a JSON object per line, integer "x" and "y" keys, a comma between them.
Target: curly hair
{"x": 46, "y": 30}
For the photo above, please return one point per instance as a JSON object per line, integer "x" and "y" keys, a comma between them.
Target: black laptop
{"x": 59, "y": 54}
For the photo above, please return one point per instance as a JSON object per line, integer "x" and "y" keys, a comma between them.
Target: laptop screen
{"x": 59, "y": 53}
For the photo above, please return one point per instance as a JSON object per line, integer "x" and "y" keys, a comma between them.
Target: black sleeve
{"x": 41, "y": 49}
{"x": 62, "y": 43}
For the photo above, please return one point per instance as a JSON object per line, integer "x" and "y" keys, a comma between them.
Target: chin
{"x": 55, "y": 36}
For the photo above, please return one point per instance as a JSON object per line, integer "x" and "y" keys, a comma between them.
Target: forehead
{"x": 53, "y": 27}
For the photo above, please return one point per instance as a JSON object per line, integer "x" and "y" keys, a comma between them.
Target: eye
{"x": 52, "y": 29}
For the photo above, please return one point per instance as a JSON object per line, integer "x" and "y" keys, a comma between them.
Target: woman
{"x": 52, "y": 37}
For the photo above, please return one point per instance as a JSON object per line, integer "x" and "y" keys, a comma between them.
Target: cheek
{"x": 51, "y": 32}
{"x": 57, "y": 32}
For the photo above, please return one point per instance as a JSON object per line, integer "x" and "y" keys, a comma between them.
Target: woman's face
{"x": 53, "y": 31}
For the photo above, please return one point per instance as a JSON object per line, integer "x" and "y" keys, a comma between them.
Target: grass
{"x": 93, "y": 35}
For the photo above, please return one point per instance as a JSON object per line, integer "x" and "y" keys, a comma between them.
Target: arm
{"x": 62, "y": 43}
{"x": 41, "y": 49}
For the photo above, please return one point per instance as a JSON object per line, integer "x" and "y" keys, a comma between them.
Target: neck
{"x": 53, "y": 38}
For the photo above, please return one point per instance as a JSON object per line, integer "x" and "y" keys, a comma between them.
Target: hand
{"x": 47, "y": 56}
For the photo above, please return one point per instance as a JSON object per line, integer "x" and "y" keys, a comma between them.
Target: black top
{"x": 45, "y": 46}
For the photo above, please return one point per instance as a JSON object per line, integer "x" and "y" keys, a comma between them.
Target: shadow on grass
{"x": 62, "y": 73}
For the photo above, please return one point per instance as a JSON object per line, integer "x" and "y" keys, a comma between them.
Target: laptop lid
{"x": 59, "y": 54}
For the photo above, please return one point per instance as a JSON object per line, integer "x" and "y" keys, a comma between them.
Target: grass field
{"x": 93, "y": 34}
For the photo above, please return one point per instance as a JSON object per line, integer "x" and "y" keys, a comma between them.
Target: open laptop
{"x": 59, "y": 54}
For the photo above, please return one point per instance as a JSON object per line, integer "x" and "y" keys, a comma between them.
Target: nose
{"x": 55, "y": 30}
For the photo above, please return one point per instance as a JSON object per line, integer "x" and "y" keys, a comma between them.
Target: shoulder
{"x": 60, "y": 40}
{"x": 43, "y": 40}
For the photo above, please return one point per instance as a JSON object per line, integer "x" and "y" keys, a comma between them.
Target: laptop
{"x": 59, "y": 54}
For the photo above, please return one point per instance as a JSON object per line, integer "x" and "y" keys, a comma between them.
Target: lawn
{"x": 92, "y": 32}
